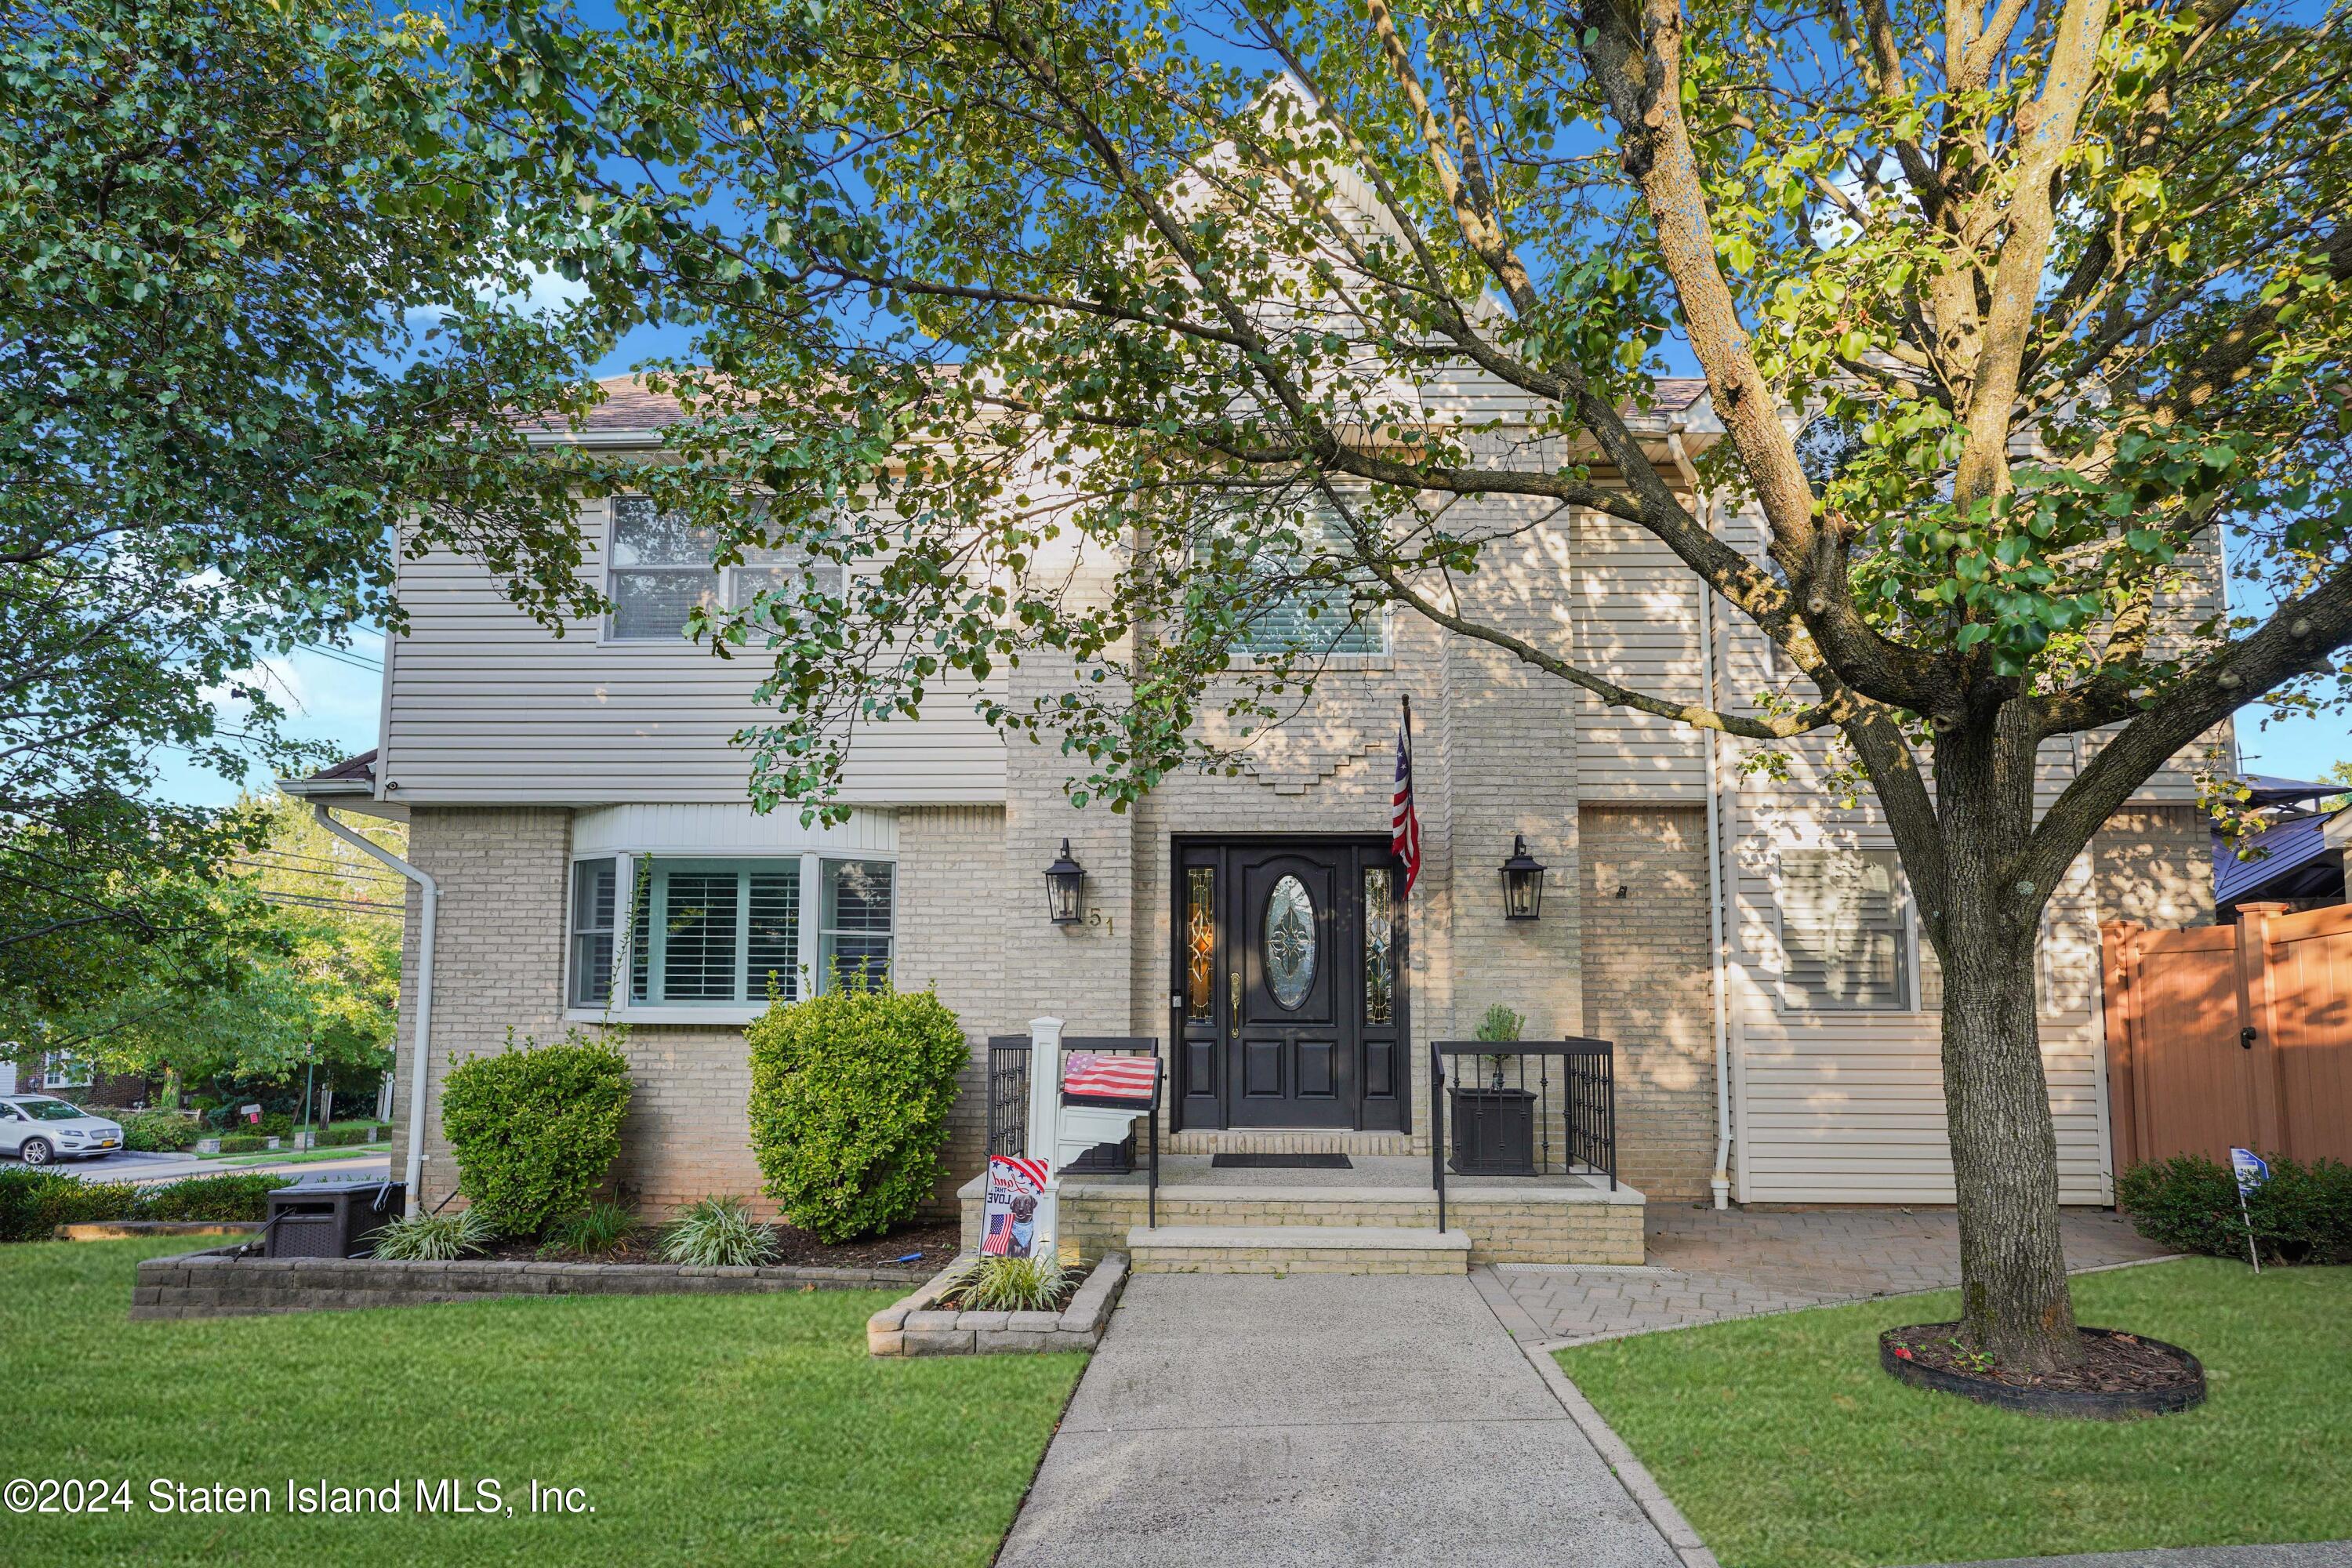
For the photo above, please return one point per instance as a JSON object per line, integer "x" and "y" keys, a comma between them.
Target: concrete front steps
{"x": 1297, "y": 1249}
{"x": 1502, "y": 1222}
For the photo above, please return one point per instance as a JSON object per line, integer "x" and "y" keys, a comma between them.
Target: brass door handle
{"x": 1237, "y": 976}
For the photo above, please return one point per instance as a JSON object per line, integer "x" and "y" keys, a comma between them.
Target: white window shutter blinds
{"x": 1842, "y": 929}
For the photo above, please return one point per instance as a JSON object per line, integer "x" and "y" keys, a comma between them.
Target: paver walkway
{"x": 1704, "y": 1265}
{"x": 1317, "y": 1419}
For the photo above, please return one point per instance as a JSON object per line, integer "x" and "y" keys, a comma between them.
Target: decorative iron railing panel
{"x": 1523, "y": 1108}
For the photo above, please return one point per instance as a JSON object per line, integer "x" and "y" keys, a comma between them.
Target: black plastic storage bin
{"x": 325, "y": 1217}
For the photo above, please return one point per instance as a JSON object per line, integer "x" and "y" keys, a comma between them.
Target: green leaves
{"x": 259, "y": 294}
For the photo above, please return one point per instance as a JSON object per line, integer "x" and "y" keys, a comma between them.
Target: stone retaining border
{"x": 913, "y": 1326}
{"x": 220, "y": 1284}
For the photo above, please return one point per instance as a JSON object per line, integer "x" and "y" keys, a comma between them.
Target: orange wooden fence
{"x": 2236, "y": 1034}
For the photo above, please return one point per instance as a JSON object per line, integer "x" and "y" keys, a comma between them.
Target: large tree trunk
{"x": 2015, "y": 1301}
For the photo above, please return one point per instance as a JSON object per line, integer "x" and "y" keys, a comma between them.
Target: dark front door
{"x": 1289, "y": 997}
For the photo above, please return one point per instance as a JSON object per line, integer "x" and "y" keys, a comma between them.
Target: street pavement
{"x": 132, "y": 1166}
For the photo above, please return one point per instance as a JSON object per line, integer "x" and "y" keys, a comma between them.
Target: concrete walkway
{"x": 1706, "y": 1265}
{"x": 1315, "y": 1420}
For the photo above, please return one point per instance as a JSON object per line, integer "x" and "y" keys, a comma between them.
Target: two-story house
{"x": 1745, "y": 940}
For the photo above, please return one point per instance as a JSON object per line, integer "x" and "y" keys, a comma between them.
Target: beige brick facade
{"x": 1646, "y": 986}
{"x": 500, "y": 963}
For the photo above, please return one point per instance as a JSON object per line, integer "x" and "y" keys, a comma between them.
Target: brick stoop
{"x": 1297, "y": 1249}
{"x": 1503, "y": 1223}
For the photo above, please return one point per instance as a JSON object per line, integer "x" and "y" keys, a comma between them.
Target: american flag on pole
{"x": 1405, "y": 827}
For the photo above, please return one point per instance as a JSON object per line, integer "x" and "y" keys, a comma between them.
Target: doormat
{"x": 1281, "y": 1163}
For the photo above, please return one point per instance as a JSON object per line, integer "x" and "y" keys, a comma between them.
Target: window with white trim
{"x": 1311, "y": 619}
{"x": 659, "y": 571}
{"x": 719, "y": 932}
{"x": 595, "y": 898}
{"x": 1845, "y": 931}
{"x": 854, "y": 940}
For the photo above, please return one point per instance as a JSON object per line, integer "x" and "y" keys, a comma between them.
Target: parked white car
{"x": 39, "y": 1128}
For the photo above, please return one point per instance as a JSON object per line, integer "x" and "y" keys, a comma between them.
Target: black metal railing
{"x": 1008, "y": 1093}
{"x": 1008, "y": 1109}
{"x": 1437, "y": 1132}
{"x": 1522, "y": 1107}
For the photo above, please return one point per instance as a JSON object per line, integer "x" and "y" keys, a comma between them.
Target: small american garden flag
{"x": 1404, "y": 828}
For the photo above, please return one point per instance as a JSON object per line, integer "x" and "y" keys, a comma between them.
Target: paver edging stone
{"x": 913, "y": 1325}
{"x": 219, "y": 1283}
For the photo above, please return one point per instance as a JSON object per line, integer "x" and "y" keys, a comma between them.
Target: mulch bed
{"x": 937, "y": 1240}
{"x": 2113, "y": 1363}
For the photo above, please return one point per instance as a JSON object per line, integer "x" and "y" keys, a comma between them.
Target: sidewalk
{"x": 1321, "y": 1419}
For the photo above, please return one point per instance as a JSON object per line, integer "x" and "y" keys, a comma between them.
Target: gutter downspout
{"x": 1719, "y": 1183}
{"x": 430, "y": 897}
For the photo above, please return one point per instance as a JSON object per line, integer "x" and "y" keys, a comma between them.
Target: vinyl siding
{"x": 485, "y": 706}
{"x": 1637, "y": 617}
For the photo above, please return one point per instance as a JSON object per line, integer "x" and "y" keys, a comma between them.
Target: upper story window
{"x": 1311, "y": 619}
{"x": 1844, "y": 934}
{"x": 659, "y": 572}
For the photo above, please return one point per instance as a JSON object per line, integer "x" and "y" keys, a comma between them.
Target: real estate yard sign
{"x": 2251, "y": 1171}
{"x": 1009, "y": 1219}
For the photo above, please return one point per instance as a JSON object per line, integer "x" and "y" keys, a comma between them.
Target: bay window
{"x": 722, "y": 931}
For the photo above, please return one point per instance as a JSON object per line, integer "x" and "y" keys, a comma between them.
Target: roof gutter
{"x": 430, "y": 896}
{"x": 1719, "y": 1183}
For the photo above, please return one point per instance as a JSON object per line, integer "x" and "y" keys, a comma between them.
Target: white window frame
{"x": 730, "y": 579}
{"x": 807, "y": 979}
{"x": 1790, "y": 999}
{"x": 1380, "y": 620}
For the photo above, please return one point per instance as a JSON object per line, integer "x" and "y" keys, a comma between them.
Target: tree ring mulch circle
{"x": 2124, "y": 1376}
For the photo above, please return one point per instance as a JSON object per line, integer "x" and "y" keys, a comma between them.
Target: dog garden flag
{"x": 1009, "y": 1214}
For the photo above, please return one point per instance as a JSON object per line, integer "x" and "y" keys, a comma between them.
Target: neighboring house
{"x": 2297, "y": 859}
{"x": 545, "y": 779}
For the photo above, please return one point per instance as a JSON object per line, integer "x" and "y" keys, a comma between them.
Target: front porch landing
{"x": 1507, "y": 1219}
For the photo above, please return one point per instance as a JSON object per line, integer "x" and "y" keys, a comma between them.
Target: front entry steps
{"x": 1297, "y": 1249}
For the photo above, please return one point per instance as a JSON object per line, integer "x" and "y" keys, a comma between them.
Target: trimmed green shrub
{"x": 211, "y": 1197}
{"x": 338, "y": 1134}
{"x": 158, "y": 1131}
{"x": 536, "y": 1127}
{"x": 34, "y": 1203}
{"x": 719, "y": 1233}
{"x": 850, "y": 1094}
{"x": 243, "y": 1143}
{"x": 2301, "y": 1215}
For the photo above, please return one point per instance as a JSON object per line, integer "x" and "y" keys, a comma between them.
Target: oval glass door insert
{"x": 1289, "y": 941}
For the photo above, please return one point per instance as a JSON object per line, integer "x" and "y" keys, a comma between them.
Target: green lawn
{"x": 732, "y": 1430}
{"x": 1788, "y": 1447}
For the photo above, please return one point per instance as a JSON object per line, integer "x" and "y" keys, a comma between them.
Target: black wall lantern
{"x": 1064, "y": 879}
{"x": 1523, "y": 877}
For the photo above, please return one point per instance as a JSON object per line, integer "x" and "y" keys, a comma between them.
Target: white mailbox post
{"x": 1060, "y": 1133}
